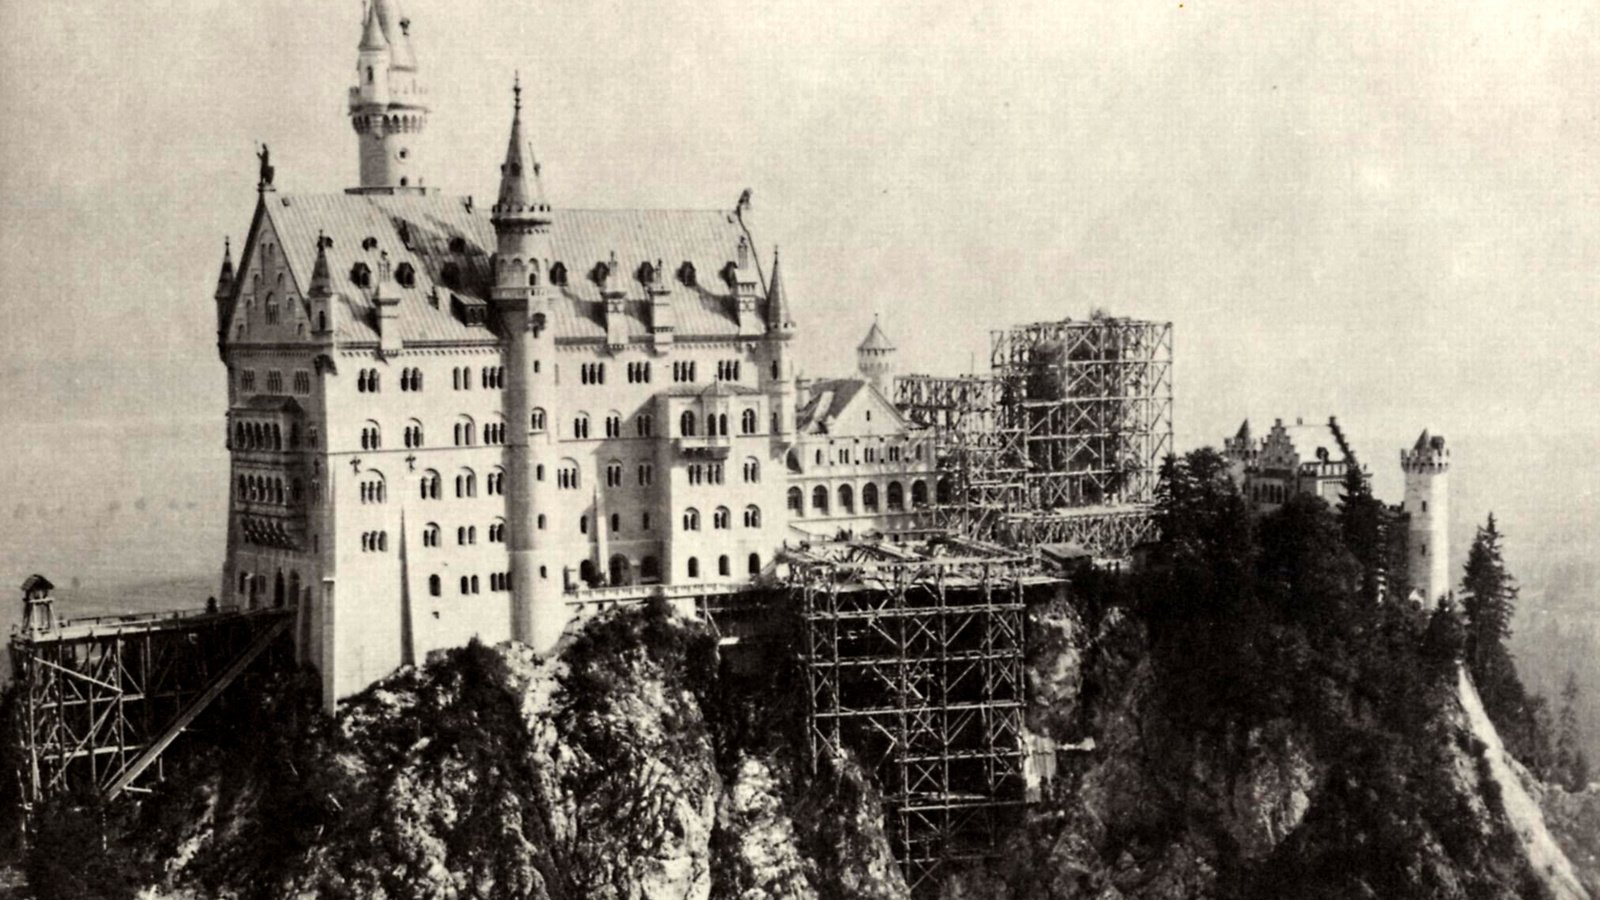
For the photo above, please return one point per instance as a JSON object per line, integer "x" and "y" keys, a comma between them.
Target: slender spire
{"x": 521, "y": 191}
{"x": 225, "y": 277}
{"x": 321, "y": 283}
{"x": 372, "y": 37}
{"x": 778, "y": 315}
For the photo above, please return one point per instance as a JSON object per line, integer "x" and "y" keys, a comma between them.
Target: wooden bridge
{"x": 100, "y": 699}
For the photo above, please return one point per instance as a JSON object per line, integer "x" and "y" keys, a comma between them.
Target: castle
{"x": 448, "y": 421}
{"x": 1300, "y": 459}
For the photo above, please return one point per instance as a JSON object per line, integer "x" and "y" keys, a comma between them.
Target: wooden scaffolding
{"x": 914, "y": 662}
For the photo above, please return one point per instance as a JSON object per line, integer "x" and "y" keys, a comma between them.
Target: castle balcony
{"x": 708, "y": 446}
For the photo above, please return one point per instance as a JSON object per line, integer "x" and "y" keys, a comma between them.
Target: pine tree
{"x": 1489, "y": 598}
{"x": 1572, "y": 765}
{"x": 1361, "y": 520}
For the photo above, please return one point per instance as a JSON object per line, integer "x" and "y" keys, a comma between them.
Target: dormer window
{"x": 458, "y": 244}
{"x": 369, "y": 242}
{"x": 686, "y": 274}
{"x": 558, "y": 274}
{"x": 450, "y": 274}
{"x": 647, "y": 274}
{"x": 406, "y": 275}
{"x": 361, "y": 275}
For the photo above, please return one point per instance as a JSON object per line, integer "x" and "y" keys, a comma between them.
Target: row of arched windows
{"x": 498, "y": 581}
{"x": 465, "y": 534}
{"x": 264, "y": 489}
{"x": 374, "y": 542}
{"x": 728, "y": 370}
{"x": 721, "y": 518}
{"x": 367, "y": 381}
{"x": 724, "y": 566}
{"x": 869, "y": 454}
{"x": 410, "y": 379}
{"x": 263, "y": 436}
{"x": 639, "y": 372}
{"x": 372, "y": 488}
{"x": 592, "y": 373}
{"x": 492, "y": 377}
{"x": 893, "y": 499}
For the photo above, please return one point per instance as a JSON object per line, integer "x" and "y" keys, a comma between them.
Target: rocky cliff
{"x": 637, "y": 763}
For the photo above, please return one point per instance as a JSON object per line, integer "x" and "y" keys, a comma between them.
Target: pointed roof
{"x": 1244, "y": 431}
{"x": 36, "y": 582}
{"x": 397, "y": 31}
{"x": 876, "y": 340}
{"x": 1423, "y": 440}
{"x": 225, "y": 277}
{"x": 521, "y": 191}
{"x": 372, "y": 30}
{"x": 778, "y": 314}
{"x": 321, "y": 283}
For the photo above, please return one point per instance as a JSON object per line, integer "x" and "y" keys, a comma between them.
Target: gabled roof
{"x": 433, "y": 224}
{"x": 829, "y": 398}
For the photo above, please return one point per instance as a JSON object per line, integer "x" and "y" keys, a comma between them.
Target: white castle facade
{"x": 448, "y": 421}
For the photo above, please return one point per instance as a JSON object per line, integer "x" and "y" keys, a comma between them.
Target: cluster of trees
{"x": 1303, "y": 616}
{"x": 1551, "y": 749}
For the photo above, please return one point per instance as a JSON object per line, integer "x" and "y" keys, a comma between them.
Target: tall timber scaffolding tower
{"x": 914, "y": 663}
{"x": 1061, "y": 442}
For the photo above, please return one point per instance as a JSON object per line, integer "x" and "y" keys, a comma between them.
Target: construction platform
{"x": 913, "y": 657}
{"x": 100, "y": 699}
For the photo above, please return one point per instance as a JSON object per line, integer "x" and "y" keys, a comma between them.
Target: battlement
{"x": 1428, "y": 456}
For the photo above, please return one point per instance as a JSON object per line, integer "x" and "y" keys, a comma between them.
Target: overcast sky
{"x": 1381, "y": 210}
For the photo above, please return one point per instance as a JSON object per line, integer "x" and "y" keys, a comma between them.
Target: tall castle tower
{"x": 875, "y": 359}
{"x": 520, "y": 297}
{"x": 387, "y": 104}
{"x": 1427, "y": 502}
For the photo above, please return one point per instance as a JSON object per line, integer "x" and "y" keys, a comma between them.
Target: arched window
{"x": 430, "y": 485}
{"x": 466, "y": 431}
{"x": 819, "y": 499}
{"x": 406, "y": 275}
{"x": 686, "y": 423}
{"x": 613, "y": 425}
{"x": 755, "y": 564}
{"x": 413, "y": 433}
{"x": 567, "y": 475}
{"x": 847, "y": 500}
{"x": 430, "y": 535}
{"x": 752, "y": 470}
{"x": 919, "y": 494}
{"x": 467, "y": 483}
{"x": 361, "y": 275}
{"x": 558, "y": 274}
{"x": 691, "y": 519}
{"x": 752, "y": 517}
{"x": 819, "y": 456}
{"x": 496, "y": 482}
{"x": 720, "y": 518}
{"x": 614, "y": 473}
{"x": 371, "y": 436}
{"x": 619, "y": 570}
{"x": 724, "y": 568}
{"x": 580, "y": 426}
{"x": 465, "y": 585}
{"x": 694, "y": 567}
{"x": 435, "y": 588}
{"x": 616, "y": 523}
{"x": 747, "y": 422}
{"x": 372, "y": 490}
{"x": 583, "y": 524}
{"x": 897, "y": 497}
{"x": 536, "y": 422}
{"x": 869, "y": 497}
{"x": 796, "y": 501}
{"x": 722, "y": 424}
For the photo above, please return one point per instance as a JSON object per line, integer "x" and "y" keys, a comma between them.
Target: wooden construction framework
{"x": 1061, "y": 442}
{"x": 914, "y": 662}
{"x": 1093, "y": 401}
{"x": 101, "y": 698}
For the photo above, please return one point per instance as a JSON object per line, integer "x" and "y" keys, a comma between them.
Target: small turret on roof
{"x": 1423, "y": 440}
{"x": 778, "y": 314}
{"x": 225, "y": 277}
{"x": 1244, "y": 431}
